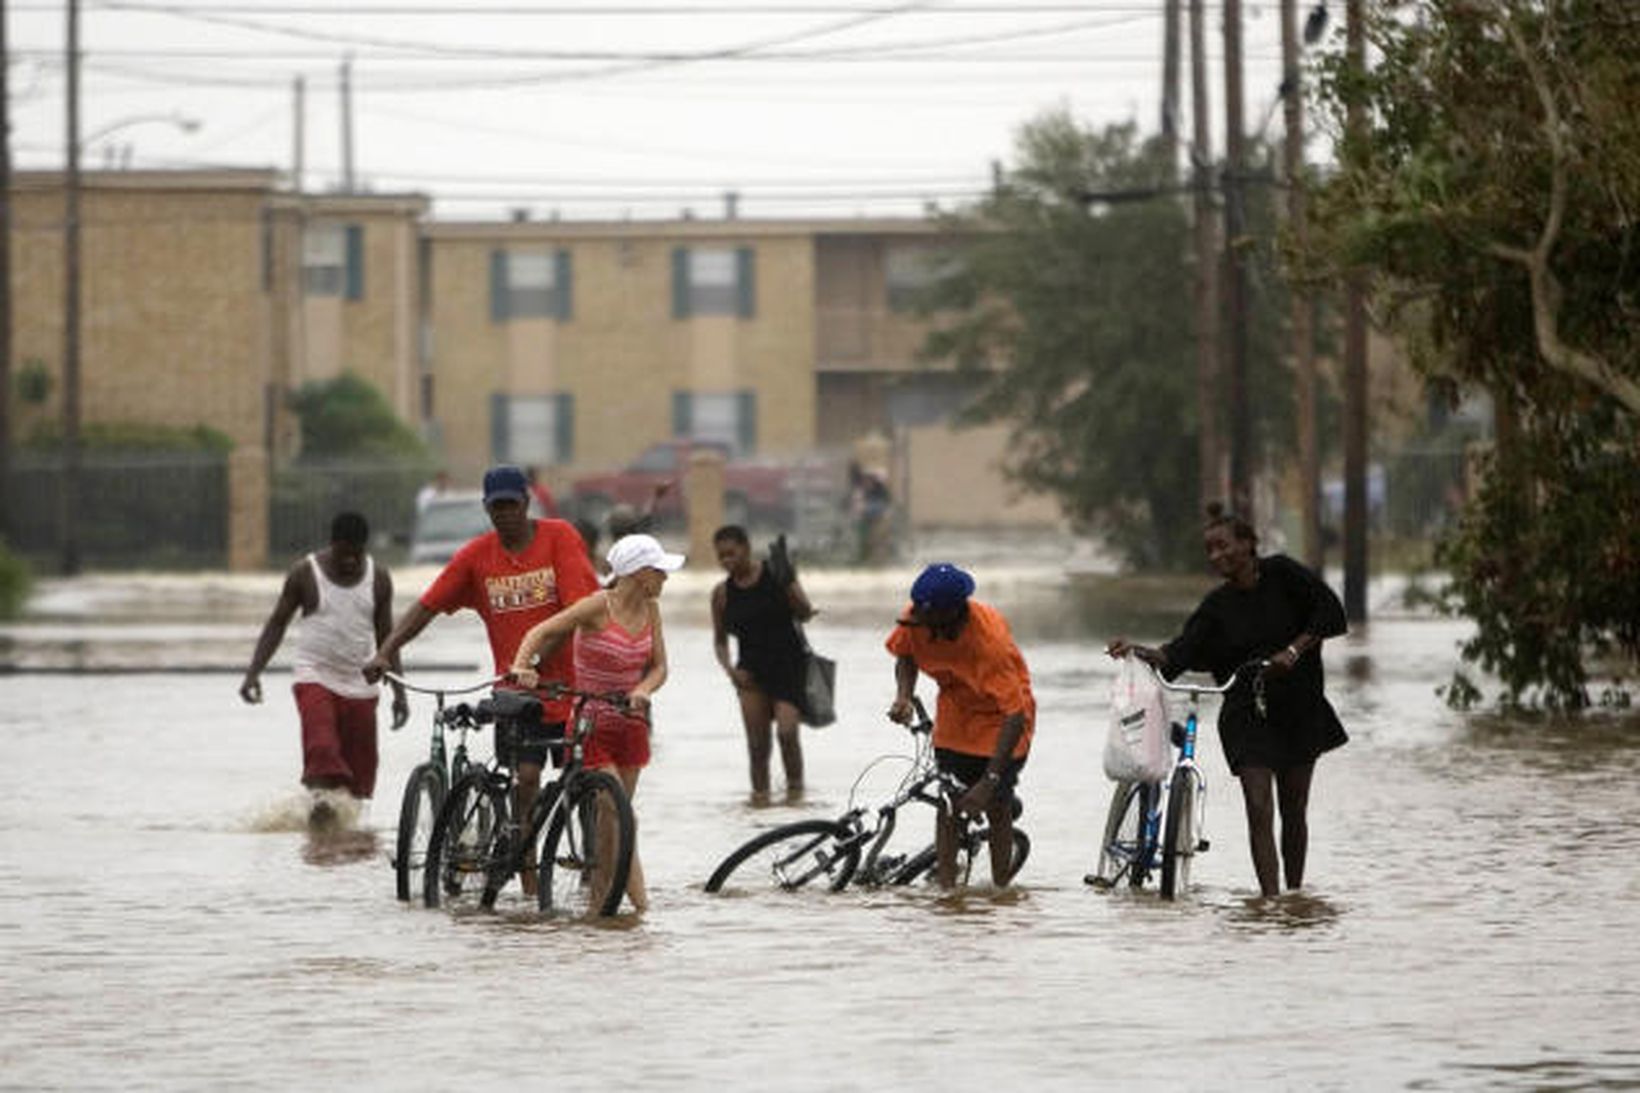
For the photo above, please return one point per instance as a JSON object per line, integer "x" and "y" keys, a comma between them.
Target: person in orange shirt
{"x": 985, "y": 715}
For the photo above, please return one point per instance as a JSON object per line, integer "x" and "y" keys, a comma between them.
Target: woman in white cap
{"x": 618, "y": 647}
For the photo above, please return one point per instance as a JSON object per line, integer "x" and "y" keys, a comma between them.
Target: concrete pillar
{"x": 247, "y": 510}
{"x": 703, "y": 491}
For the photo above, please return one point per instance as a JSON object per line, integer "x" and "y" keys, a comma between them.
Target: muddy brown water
{"x": 166, "y": 921}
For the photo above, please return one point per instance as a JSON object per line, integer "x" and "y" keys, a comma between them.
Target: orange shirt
{"x": 982, "y": 678}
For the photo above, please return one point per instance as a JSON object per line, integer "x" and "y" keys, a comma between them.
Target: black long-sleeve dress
{"x": 1234, "y": 625}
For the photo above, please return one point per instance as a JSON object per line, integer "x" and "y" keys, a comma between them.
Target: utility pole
{"x": 1170, "y": 86}
{"x": 1235, "y": 280}
{"x": 5, "y": 275}
{"x": 1355, "y": 351}
{"x": 68, "y": 493}
{"x": 1302, "y": 320}
{"x": 1206, "y": 281}
{"x": 347, "y": 125}
{"x": 298, "y": 128}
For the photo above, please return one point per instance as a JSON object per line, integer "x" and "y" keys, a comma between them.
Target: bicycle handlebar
{"x": 1255, "y": 666}
{"x": 394, "y": 677}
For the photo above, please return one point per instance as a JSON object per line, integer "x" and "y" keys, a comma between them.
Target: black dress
{"x": 1234, "y": 625}
{"x": 760, "y": 617}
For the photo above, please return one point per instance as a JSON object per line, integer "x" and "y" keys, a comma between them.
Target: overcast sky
{"x": 608, "y": 108}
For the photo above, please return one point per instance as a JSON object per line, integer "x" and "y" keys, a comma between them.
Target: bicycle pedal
{"x": 1202, "y": 845}
{"x": 1097, "y": 881}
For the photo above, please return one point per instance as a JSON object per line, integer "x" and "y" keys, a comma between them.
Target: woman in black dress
{"x": 761, "y": 605}
{"x": 1277, "y": 610}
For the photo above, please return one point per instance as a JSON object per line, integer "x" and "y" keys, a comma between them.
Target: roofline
{"x": 738, "y": 228}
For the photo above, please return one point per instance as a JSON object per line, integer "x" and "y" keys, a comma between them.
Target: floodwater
{"x": 167, "y": 923}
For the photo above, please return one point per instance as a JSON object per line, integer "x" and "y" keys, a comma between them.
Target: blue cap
{"x": 505, "y": 483}
{"x": 941, "y": 585}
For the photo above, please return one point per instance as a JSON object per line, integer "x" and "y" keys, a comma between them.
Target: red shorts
{"x": 338, "y": 740}
{"x": 618, "y": 741}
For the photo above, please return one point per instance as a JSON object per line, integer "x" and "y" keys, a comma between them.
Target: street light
{"x": 69, "y": 491}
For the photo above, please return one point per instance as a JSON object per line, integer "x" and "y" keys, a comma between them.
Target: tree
{"x": 1068, "y": 302}
{"x": 347, "y": 416}
{"x": 1495, "y": 204}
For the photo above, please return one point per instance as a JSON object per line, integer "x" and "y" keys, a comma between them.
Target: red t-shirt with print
{"x": 514, "y": 592}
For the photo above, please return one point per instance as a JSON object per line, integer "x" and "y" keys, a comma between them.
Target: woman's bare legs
{"x": 1258, "y": 796}
{"x": 755, "y": 713}
{"x": 1293, "y": 793}
{"x": 788, "y": 726}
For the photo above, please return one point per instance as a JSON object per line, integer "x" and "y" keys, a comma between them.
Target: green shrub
{"x": 15, "y": 582}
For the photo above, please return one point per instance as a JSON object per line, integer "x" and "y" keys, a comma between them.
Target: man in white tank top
{"x": 346, "y": 601}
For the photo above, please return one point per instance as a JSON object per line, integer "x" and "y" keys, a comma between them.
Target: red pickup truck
{"x": 755, "y": 491}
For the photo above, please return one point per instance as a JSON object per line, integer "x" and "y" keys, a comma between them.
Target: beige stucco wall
{"x": 953, "y": 479}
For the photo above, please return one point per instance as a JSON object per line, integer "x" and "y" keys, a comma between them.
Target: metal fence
{"x": 137, "y": 510}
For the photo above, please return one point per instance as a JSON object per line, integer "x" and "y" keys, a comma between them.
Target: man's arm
{"x": 905, "y": 685}
{"x": 273, "y": 632}
{"x": 384, "y": 626}
{"x": 414, "y": 622}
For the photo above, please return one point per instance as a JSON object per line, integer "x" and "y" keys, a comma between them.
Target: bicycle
{"x": 581, "y": 827}
{"x": 851, "y": 848}
{"x": 1145, "y": 833}
{"x": 425, "y": 789}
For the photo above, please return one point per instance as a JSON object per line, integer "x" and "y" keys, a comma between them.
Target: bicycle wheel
{"x": 1180, "y": 834}
{"x": 423, "y": 794}
{"x": 793, "y": 855}
{"x": 977, "y": 845}
{"x": 1121, "y": 850}
{"x": 466, "y": 843}
{"x": 587, "y": 855}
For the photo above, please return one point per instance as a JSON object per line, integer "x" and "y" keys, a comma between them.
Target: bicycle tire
{"x": 464, "y": 848}
{"x": 418, "y": 812}
{"x": 923, "y": 863}
{"x": 1121, "y": 847}
{"x": 792, "y": 842}
{"x": 594, "y": 803}
{"x": 1179, "y": 835}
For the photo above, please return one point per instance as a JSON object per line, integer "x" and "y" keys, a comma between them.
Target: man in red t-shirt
{"x": 520, "y": 574}
{"x": 986, "y": 713}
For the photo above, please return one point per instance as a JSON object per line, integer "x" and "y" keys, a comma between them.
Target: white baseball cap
{"x": 631, "y": 553}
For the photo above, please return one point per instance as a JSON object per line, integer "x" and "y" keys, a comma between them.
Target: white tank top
{"x": 336, "y": 640}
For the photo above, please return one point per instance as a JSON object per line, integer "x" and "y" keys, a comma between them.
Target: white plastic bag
{"x": 1136, "y": 748}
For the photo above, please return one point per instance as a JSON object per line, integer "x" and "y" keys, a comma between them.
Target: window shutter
{"x": 682, "y": 418}
{"x": 746, "y": 281}
{"x": 563, "y": 276}
{"x": 498, "y": 427}
{"x": 680, "y": 282}
{"x": 746, "y": 421}
{"x": 498, "y": 286}
{"x": 565, "y": 427}
{"x": 355, "y": 262}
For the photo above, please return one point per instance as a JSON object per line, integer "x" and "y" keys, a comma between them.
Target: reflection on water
{"x": 165, "y": 903}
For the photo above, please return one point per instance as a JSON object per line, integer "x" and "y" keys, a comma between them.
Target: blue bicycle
{"x": 1148, "y": 832}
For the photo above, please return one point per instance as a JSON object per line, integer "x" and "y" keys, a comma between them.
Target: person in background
{"x": 761, "y": 604}
{"x": 1275, "y": 610}
{"x": 346, "y": 603}
{"x": 985, "y": 716}
{"x": 542, "y": 496}
{"x": 437, "y": 487}
{"x": 626, "y": 520}
{"x": 618, "y": 646}
{"x": 515, "y": 576}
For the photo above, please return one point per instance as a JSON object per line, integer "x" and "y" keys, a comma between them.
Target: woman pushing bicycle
{"x": 1276, "y": 610}
{"x": 618, "y": 647}
{"x": 985, "y": 716}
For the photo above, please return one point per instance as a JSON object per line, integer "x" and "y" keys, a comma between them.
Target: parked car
{"x": 447, "y": 522}
{"x": 758, "y": 491}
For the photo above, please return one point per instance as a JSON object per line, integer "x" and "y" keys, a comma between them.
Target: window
{"x": 713, "y": 281}
{"x": 728, "y": 418}
{"x": 532, "y": 429}
{"x": 333, "y": 260}
{"x": 909, "y": 270}
{"x": 530, "y": 284}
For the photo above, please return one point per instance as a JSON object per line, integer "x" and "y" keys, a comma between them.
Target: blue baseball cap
{"x": 941, "y": 585}
{"x": 505, "y": 483}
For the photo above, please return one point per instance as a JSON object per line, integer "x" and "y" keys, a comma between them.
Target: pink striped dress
{"x": 612, "y": 659}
